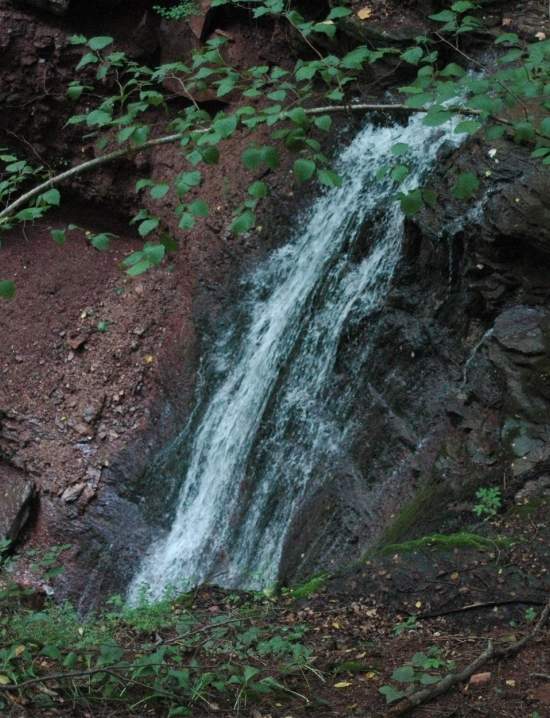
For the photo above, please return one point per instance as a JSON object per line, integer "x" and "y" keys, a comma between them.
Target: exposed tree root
{"x": 428, "y": 694}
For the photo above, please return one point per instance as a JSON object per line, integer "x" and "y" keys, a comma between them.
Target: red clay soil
{"x": 93, "y": 362}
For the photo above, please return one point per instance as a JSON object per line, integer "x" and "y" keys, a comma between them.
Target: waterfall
{"x": 268, "y": 426}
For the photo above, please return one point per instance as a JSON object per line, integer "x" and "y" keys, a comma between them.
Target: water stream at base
{"x": 268, "y": 425}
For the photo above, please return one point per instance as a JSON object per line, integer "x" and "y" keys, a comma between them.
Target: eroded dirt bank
{"x": 98, "y": 370}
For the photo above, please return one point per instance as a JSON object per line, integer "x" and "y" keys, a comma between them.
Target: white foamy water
{"x": 268, "y": 425}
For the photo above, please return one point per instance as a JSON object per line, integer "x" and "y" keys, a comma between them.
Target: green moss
{"x": 448, "y": 542}
{"x": 352, "y": 667}
{"x": 428, "y": 498}
{"x": 304, "y": 590}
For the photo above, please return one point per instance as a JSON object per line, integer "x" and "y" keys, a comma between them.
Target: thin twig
{"x": 474, "y": 606}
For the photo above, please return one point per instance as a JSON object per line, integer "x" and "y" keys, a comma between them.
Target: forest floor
{"x": 422, "y": 608}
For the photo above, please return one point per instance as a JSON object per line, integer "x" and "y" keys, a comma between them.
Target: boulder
{"x": 16, "y": 494}
{"x": 57, "y": 7}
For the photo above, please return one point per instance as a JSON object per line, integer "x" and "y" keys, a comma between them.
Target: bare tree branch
{"x": 129, "y": 150}
{"x": 426, "y": 695}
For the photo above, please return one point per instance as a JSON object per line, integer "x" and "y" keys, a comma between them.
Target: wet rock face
{"x": 457, "y": 394}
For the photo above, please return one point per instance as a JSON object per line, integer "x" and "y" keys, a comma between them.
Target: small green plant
{"x": 489, "y": 502}
{"x": 179, "y": 11}
{"x": 424, "y": 669}
{"x": 166, "y": 657}
{"x": 409, "y": 624}
{"x": 530, "y": 615}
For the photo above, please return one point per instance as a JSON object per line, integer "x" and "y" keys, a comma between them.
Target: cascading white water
{"x": 269, "y": 425}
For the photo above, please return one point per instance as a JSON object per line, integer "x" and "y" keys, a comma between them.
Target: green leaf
{"x": 545, "y": 127}
{"x": 252, "y": 158}
{"x": 88, "y": 59}
{"x": 524, "y": 131}
{"x": 258, "y": 190}
{"x": 541, "y": 152}
{"x": 98, "y": 117}
{"x": 465, "y": 186}
{"x": 226, "y": 86}
{"x": 139, "y": 268}
{"x": 507, "y": 38}
{"x": 243, "y": 222}
{"x": 270, "y": 157}
{"x": 462, "y": 6}
{"x": 147, "y": 226}
{"x": 210, "y": 155}
{"x": 426, "y": 679}
{"x": 298, "y": 116}
{"x": 7, "y": 289}
{"x": 436, "y": 116}
{"x": 52, "y": 197}
{"x": 444, "y": 16}
{"x": 419, "y": 101}
{"x": 155, "y": 253}
{"x": 78, "y": 40}
{"x": 467, "y": 127}
{"x": 329, "y": 178}
{"x": 277, "y": 96}
{"x": 250, "y": 672}
{"x": 400, "y": 149}
{"x": 338, "y": 12}
{"x": 413, "y": 55}
{"x": 511, "y": 56}
{"x": 225, "y": 126}
{"x": 59, "y": 236}
{"x": 304, "y": 169}
{"x": 404, "y": 674}
{"x": 199, "y": 208}
{"x": 101, "y": 241}
{"x": 142, "y": 183}
{"x": 100, "y": 42}
{"x": 399, "y": 173}
{"x": 187, "y": 221}
{"x": 452, "y": 70}
{"x": 30, "y": 214}
{"x": 74, "y": 91}
{"x": 324, "y": 122}
{"x": 391, "y": 694}
{"x": 186, "y": 181}
{"x": 495, "y": 132}
{"x": 141, "y": 134}
{"x": 159, "y": 191}
{"x": 355, "y": 59}
{"x": 411, "y": 203}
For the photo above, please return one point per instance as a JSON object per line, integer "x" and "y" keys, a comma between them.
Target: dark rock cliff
{"x": 457, "y": 394}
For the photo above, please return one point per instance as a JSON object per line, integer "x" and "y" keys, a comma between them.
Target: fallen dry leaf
{"x": 343, "y": 684}
{"x": 364, "y": 13}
